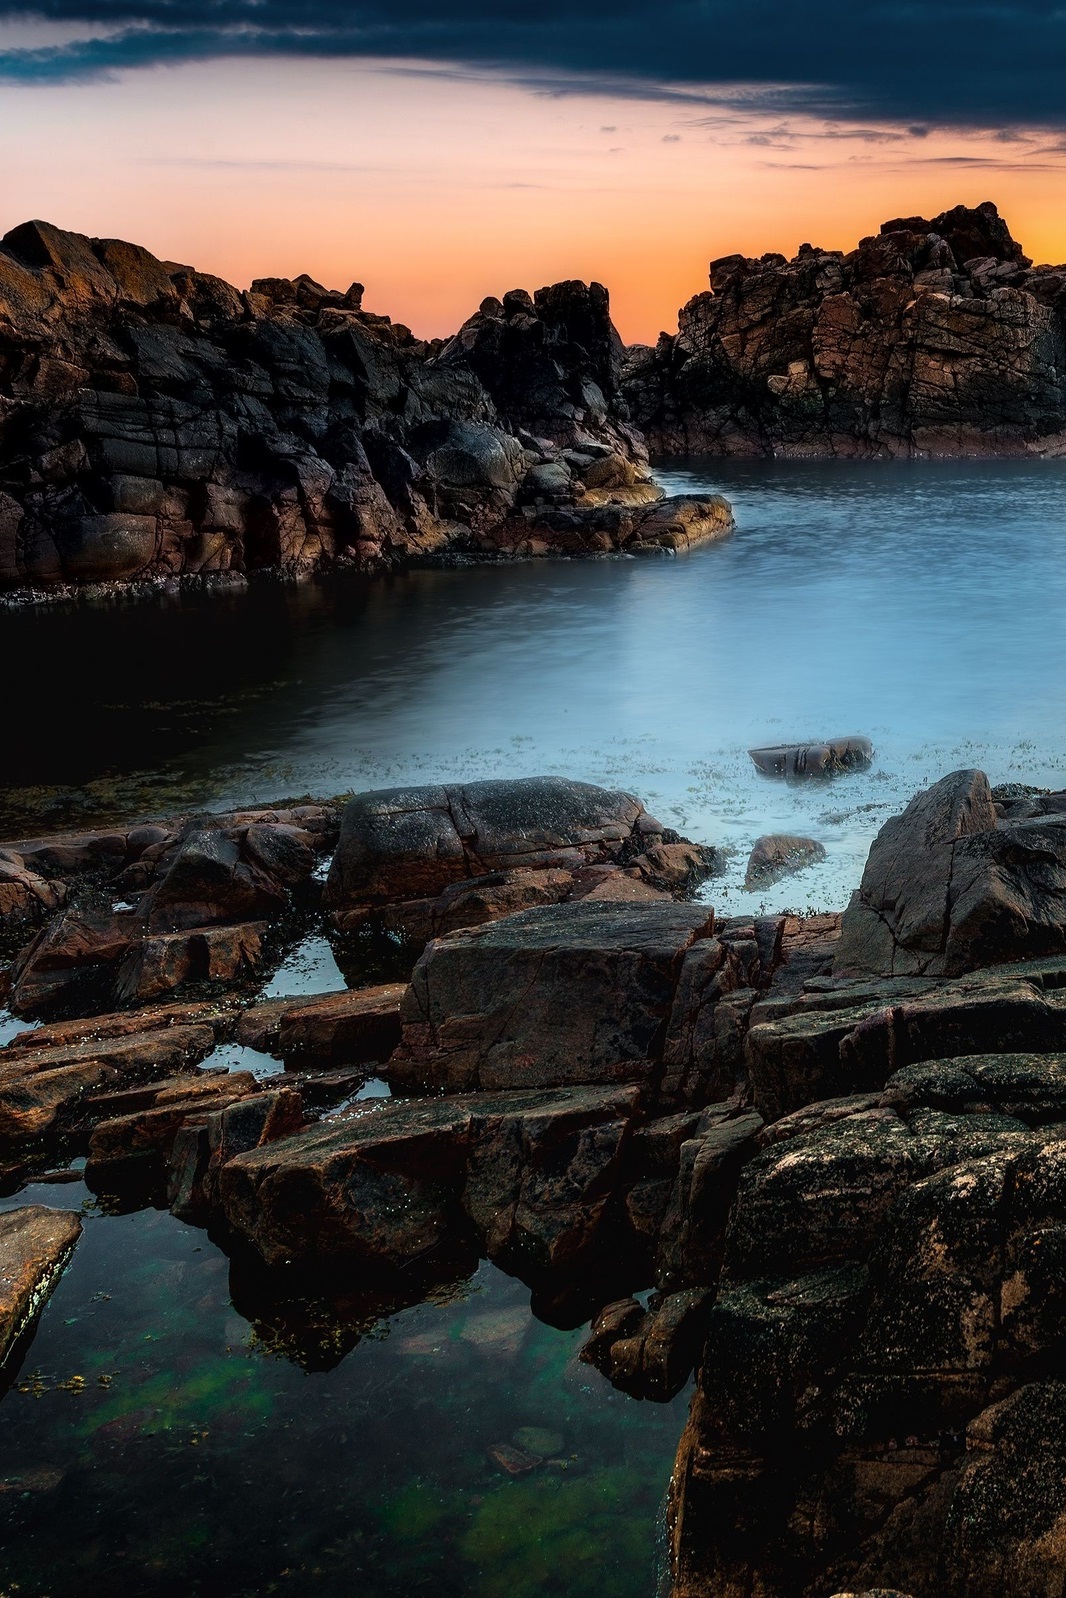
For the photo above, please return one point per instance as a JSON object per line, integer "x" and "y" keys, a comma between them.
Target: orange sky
{"x": 435, "y": 188}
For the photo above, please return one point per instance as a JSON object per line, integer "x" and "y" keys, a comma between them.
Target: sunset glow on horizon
{"x": 436, "y": 186}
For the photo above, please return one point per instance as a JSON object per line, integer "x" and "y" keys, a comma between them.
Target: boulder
{"x": 777, "y": 855}
{"x": 947, "y": 888}
{"x": 129, "y": 1152}
{"x": 527, "y": 1176}
{"x": 575, "y": 993}
{"x": 46, "y": 1093}
{"x": 649, "y": 1353}
{"x": 35, "y": 1245}
{"x": 407, "y": 843}
{"x": 204, "y": 1143}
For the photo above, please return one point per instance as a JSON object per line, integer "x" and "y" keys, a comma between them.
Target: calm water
{"x": 174, "y": 1430}
{"x": 175, "y": 1427}
{"x": 920, "y": 603}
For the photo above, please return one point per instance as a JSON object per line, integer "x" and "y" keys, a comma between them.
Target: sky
{"x": 441, "y": 150}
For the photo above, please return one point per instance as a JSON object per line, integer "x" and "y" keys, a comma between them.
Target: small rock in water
{"x": 515, "y": 1461}
{"x": 801, "y": 760}
{"x": 777, "y": 855}
{"x": 538, "y": 1440}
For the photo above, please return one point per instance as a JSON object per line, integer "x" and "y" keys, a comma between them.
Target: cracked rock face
{"x": 934, "y": 336}
{"x": 157, "y": 424}
{"x": 949, "y": 887}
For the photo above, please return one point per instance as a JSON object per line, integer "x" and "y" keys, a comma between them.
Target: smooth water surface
{"x": 921, "y": 603}
{"x": 160, "y": 1441}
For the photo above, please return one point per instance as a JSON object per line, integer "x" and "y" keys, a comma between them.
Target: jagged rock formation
{"x": 155, "y": 422}
{"x": 932, "y": 337}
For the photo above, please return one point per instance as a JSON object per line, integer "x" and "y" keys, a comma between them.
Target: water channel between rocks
{"x": 172, "y": 1430}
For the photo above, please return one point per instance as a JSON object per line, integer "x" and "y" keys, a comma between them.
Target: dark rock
{"x": 409, "y": 842}
{"x": 895, "y": 349}
{"x": 947, "y": 888}
{"x": 529, "y": 1175}
{"x": 777, "y": 855}
{"x": 813, "y": 759}
{"x": 35, "y": 1244}
{"x": 204, "y": 1143}
{"x": 573, "y": 993}
{"x": 45, "y": 1094}
{"x": 649, "y": 1353}
{"x": 171, "y": 427}
{"x": 129, "y": 1152}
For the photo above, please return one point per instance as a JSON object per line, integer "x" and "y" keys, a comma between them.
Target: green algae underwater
{"x": 158, "y": 1440}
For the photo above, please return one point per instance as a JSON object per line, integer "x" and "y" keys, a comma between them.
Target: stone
{"x": 208, "y": 882}
{"x": 649, "y": 1353}
{"x": 135, "y": 380}
{"x": 947, "y": 888}
{"x": 571, "y": 993}
{"x": 777, "y": 855}
{"x": 35, "y": 1245}
{"x": 358, "y": 1025}
{"x": 204, "y": 1143}
{"x": 45, "y": 1094}
{"x": 528, "y": 1175}
{"x": 400, "y": 843}
{"x": 889, "y": 350}
{"x": 130, "y": 1151}
{"x": 813, "y": 759}
{"x": 158, "y": 965}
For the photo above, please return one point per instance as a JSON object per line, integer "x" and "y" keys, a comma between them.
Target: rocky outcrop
{"x": 156, "y": 423}
{"x": 932, "y": 337}
{"x": 845, "y": 1188}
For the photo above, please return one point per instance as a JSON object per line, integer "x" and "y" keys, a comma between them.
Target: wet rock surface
{"x": 892, "y": 349}
{"x": 35, "y": 1244}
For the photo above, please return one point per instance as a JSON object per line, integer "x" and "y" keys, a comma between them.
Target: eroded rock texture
{"x": 932, "y": 337}
{"x": 157, "y": 423}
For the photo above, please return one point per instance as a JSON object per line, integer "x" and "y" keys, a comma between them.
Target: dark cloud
{"x": 934, "y": 63}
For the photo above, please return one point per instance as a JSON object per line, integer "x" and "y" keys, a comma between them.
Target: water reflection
{"x": 228, "y": 1437}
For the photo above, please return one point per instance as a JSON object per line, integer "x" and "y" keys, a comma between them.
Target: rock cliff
{"x": 155, "y": 422}
{"x": 933, "y": 337}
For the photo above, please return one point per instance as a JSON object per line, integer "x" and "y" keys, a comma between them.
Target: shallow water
{"x": 159, "y": 1441}
{"x": 920, "y": 603}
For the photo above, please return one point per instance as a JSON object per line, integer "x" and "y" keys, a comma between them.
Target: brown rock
{"x": 35, "y": 1244}
{"x": 596, "y": 983}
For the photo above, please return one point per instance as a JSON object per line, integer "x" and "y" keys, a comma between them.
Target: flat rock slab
{"x": 35, "y": 1244}
{"x": 573, "y": 993}
{"x": 46, "y": 1092}
{"x": 527, "y": 1177}
{"x": 344, "y": 1028}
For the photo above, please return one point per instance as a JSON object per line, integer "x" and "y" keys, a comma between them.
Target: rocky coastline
{"x": 160, "y": 428}
{"x": 830, "y": 1145}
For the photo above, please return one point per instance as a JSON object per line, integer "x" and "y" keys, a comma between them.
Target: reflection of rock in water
{"x": 316, "y": 1318}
